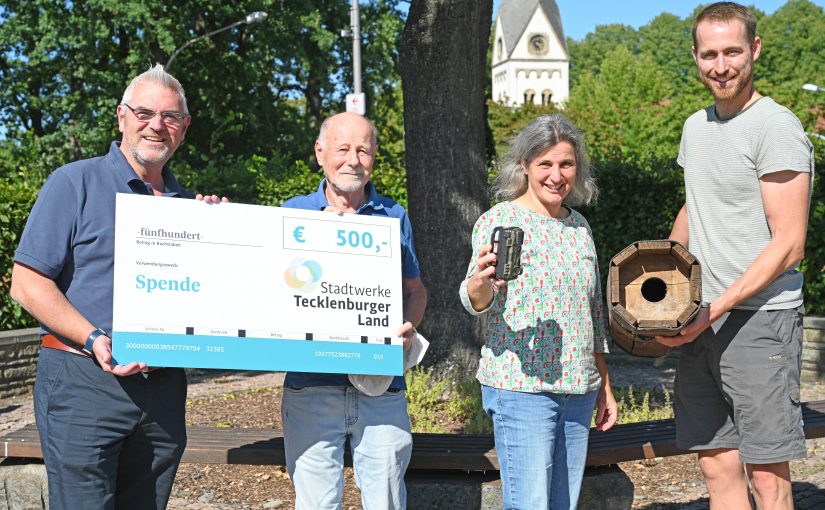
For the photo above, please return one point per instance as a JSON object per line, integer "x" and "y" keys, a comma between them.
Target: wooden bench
{"x": 633, "y": 441}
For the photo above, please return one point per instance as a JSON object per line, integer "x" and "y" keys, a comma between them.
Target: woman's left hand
{"x": 607, "y": 410}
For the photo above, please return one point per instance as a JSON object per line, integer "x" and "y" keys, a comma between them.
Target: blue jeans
{"x": 317, "y": 421}
{"x": 541, "y": 443}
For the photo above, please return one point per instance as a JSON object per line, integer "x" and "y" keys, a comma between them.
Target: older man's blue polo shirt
{"x": 70, "y": 234}
{"x": 375, "y": 205}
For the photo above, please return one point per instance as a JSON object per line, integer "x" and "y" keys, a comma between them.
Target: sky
{"x": 580, "y": 17}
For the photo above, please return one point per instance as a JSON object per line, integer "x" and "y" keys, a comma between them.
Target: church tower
{"x": 530, "y": 62}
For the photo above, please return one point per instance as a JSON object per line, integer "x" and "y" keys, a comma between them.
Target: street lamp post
{"x": 355, "y": 102}
{"x": 255, "y": 17}
{"x": 356, "y": 47}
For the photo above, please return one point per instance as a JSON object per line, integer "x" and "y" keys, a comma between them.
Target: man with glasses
{"x": 112, "y": 435}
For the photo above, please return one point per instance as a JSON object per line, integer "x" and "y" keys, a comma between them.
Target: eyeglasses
{"x": 173, "y": 119}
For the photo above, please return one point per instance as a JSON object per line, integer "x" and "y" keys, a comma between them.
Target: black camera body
{"x": 507, "y": 243}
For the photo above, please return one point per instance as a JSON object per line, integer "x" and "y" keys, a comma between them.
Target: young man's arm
{"x": 679, "y": 232}
{"x": 785, "y": 197}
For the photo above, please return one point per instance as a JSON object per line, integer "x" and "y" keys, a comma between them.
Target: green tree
{"x": 252, "y": 90}
{"x": 626, "y": 110}
{"x": 793, "y": 40}
{"x": 667, "y": 40}
{"x": 587, "y": 55}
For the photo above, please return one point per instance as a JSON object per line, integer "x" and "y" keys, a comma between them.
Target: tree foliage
{"x": 258, "y": 92}
{"x": 252, "y": 90}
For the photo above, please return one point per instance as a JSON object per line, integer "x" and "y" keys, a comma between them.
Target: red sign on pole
{"x": 357, "y": 103}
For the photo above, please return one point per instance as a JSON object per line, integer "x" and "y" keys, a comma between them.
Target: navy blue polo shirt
{"x": 70, "y": 233}
{"x": 375, "y": 205}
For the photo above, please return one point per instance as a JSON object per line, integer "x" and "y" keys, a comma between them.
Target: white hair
{"x": 156, "y": 74}
{"x": 324, "y": 125}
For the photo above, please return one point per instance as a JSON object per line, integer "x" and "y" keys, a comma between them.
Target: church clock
{"x": 537, "y": 45}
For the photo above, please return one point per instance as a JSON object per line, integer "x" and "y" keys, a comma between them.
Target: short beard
{"x": 348, "y": 184}
{"x": 743, "y": 81}
{"x": 160, "y": 157}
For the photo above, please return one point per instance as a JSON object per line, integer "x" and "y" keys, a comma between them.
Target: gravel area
{"x": 675, "y": 483}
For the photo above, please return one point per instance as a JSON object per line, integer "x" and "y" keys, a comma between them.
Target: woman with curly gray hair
{"x": 542, "y": 366}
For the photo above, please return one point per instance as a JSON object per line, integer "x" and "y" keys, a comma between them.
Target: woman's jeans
{"x": 541, "y": 443}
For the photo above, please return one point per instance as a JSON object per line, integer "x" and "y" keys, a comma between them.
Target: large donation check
{"x": 252, "y": 287}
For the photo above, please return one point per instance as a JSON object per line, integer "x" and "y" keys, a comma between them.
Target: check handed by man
{"x": 320, "y": 411}
{"x": 112, "y": 435}
{"x": 748, "y": 168}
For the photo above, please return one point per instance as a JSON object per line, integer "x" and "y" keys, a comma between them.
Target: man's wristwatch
{"x": 90, "y": 341}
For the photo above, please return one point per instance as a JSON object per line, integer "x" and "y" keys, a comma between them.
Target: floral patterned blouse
{"x": 544, "y": 327}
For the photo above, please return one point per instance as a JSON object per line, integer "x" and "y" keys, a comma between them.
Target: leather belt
{"x": 52, "y": 342}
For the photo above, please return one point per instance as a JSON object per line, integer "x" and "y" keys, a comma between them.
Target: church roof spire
{"x": 516, "y": 14}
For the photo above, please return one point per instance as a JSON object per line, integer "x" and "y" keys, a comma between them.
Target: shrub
{"x": 634, "y": 409}
{"x": 23, "y": 175}
{"x": 465, "y": 406}
{"x": 424, "y": 399}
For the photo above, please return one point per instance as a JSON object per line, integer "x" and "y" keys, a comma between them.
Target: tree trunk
{"x": 442, "y": 64}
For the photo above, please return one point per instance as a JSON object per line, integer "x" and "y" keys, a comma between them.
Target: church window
{"x": 528, "y": 96}
{"x": 546, "y": 96}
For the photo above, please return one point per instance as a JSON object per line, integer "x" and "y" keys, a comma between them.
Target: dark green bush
{"x": 633, "y": 204}
{"x": 814, "y": 264}
{"x": 23, "y": 175}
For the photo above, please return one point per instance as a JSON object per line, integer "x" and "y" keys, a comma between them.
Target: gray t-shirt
{"x": 723, "y": 161}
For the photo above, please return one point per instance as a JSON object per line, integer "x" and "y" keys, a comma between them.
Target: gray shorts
{"x": 739, "y": 387}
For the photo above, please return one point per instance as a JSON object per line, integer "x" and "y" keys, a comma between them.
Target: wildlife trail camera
{"x": 507, "y": 243}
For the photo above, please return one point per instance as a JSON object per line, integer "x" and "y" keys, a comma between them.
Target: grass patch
{"x": 453, "y": 403}
{"x": 634, "y": 408}
{"x": 433, "y": 403}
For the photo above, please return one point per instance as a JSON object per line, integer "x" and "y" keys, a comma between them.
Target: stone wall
{"x": 813, "y": 350}
{"x": 18, "y": 361}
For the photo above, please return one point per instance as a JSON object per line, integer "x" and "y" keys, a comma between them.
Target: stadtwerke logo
{"x": 303, "y": 275}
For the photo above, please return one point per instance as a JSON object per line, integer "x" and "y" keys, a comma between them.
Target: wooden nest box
{"x": 653, "y": 288}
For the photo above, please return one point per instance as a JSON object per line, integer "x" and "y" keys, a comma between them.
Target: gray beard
{"x": 160, "y": 157}
{"x": 348, "y": 185}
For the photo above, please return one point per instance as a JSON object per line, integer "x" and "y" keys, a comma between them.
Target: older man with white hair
{"x": 320, "y": 411}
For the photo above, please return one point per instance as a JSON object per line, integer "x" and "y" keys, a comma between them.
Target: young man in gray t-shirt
{"x": 748, "y": 169}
